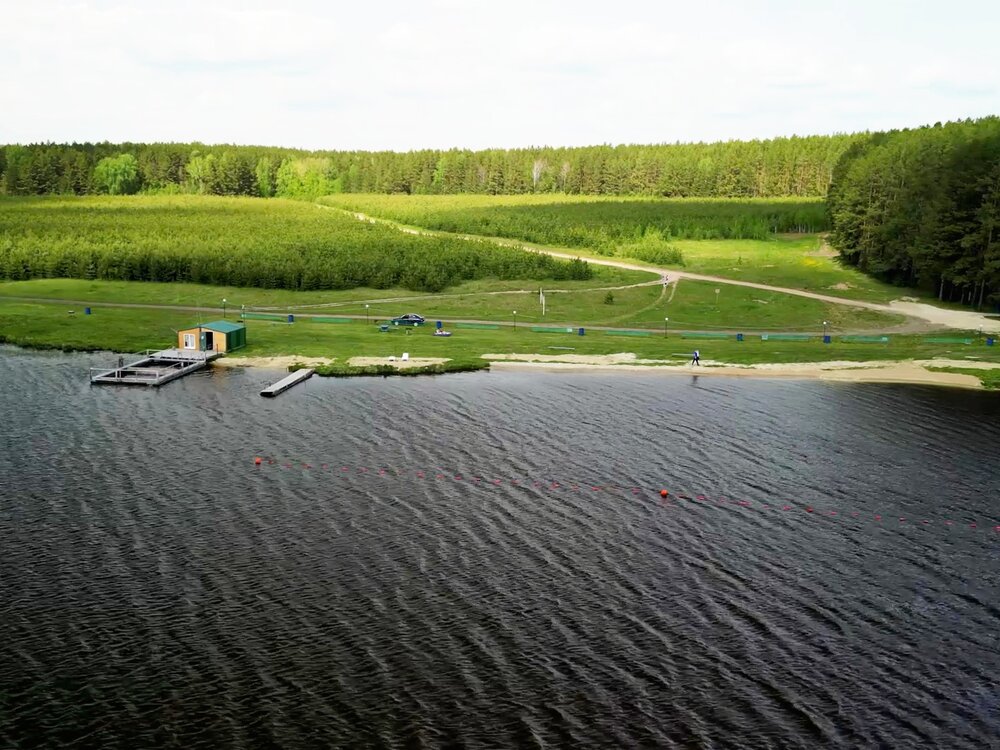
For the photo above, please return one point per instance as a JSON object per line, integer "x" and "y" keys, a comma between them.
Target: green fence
{"x": 331, "y": 320}
{"x": 543, "y": 329}
{"x": 865, "y": 339}
{"x": 628, "y": 333}
{"x": 264, "y": 316}
{"x": 707, "y": 335}
{"x": 785, "y": 337}
{"x": 487, "y": 326}
{"x": 946, "y": 340}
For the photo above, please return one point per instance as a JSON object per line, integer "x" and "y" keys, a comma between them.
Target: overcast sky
{"x": 443, "y": 73}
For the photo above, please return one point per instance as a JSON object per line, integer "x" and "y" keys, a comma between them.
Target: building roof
{"x": 222, "y": 326}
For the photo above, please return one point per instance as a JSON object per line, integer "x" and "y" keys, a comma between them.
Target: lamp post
{"x": 515, "y": 319}
{"x": 223, "y": 308}
{"x": 665, "y": 321}
{"x": 366, "y": 315}
{"x": 824, "y": 331}
{"x": 717, "y": 299}
{"x": 243, "y": 312}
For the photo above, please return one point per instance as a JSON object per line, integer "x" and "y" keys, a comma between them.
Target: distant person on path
{"x": 696, "y": 358}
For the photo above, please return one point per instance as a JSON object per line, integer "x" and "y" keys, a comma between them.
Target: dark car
{"x": 410, "y": 319}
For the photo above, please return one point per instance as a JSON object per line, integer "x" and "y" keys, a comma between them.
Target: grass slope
{"x": 692, "y": 305}
{"x": 129, "y": 330}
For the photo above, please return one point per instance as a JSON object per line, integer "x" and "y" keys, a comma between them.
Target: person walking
{"x": 696, "y": 358}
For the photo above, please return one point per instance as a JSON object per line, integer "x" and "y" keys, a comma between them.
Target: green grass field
{"x": 693, "y": 305}
{"x": 130, "y": 330}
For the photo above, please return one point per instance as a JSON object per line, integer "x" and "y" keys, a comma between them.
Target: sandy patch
{"x": 396, "y": 362}
{"x": 911, "y": 371}
{"x": 282, "y": 363}
{"x": 575, "y": 359}
{"x": 842, "y": 286}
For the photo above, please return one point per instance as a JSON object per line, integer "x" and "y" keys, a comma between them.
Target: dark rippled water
{"x": 156, "y": 589}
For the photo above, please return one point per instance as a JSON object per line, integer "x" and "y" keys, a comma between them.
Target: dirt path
{"x": 931, "y": 316}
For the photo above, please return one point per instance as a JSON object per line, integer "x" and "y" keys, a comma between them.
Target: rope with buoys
{"x": 665, "y": 496}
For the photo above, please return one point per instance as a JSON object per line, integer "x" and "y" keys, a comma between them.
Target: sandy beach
{"x": 880, "y": 371}
{"x": 908, "y": 371}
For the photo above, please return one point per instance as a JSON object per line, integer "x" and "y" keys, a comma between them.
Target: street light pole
{"x": 515, "y": 319}
{"x": 717, "y": 299}
{"x": 223, "y": 308}
{"x": 665, "y": 321}
{"x": 366, "y": 315}
{"x": 824, "y": 330}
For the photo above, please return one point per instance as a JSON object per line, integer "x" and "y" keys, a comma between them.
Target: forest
{"x": 922, "y": 208}
{"x": 239, "y": 242}
{"x": 793, "y": 166}
{"x": 917, "y": 207}
{"x": 600, "y": 224}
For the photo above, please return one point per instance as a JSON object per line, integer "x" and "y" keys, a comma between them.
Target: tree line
{"x": 921, "y": 207}
{"x": 793, "y": 166}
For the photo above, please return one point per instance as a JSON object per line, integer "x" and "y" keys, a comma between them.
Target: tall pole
{"x": 515, "y": 319}
{"x": 824, "y": 331}
{"x": 366, "y": 314}
{"x": 223, "y": 308}
{"x": 717, "y": 299}
{"x": 665, "y": 321}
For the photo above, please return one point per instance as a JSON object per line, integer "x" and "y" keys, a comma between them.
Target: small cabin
{"x": 217, "y": 336}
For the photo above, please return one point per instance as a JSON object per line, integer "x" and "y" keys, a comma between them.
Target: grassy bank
{"x": 340, "y": 370}
{"x": 130, "y": 330}
{"x": 692, "y": 304}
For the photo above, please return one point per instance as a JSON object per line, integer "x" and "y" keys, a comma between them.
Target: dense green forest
{"x": 915, "y": 207}
{"x": 922, "y": 207}
{"x": 240, "y": 242}
{"x": 739, "y": 169}
{"x": 637, "y": 227}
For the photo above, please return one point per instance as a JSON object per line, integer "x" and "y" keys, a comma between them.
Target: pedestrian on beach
{"x": 696, "y": 358}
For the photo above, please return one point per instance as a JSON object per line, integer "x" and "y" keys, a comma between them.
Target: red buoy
{"x": 257, "y": 461}
{"x": 663, "y": 493}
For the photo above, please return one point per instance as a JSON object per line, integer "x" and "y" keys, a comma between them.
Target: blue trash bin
{"x": 989, "y": 341}
{"x": 291, "y": 318}
{"x": 86, "y": 311}
{"x": 826, "y": 339}
{"x": 739, "y": 336}
{"x": 580, "y": 332}
{"x": 438, "y": 325}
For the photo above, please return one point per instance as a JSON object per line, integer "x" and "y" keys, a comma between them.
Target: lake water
{"x": 484, "y": 560}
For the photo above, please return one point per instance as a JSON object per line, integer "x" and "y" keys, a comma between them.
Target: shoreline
{"x": 905, "y": 372}
{"x": 901, "y": 373}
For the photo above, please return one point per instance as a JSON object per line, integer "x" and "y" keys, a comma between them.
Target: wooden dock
{"x": 286, "y": 382}
{"x": 154, "y": 368}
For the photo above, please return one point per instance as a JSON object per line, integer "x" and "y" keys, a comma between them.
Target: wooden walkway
{"x": 154, "y": 368}
{"x": 287, "y": 382}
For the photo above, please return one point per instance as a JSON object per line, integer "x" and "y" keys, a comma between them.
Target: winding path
{"x": 931, "y": 316}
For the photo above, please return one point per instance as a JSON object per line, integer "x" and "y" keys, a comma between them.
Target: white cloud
{"x": 477, "y": 74}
